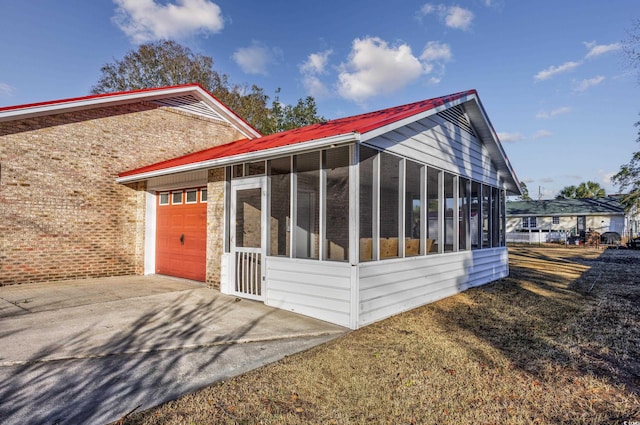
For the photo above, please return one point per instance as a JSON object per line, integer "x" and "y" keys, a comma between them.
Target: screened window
{"x": 495, "y": 217}
{"x": 255, "y": 168}
{"x": 280, "y": 223}
{"x": 308, "y": 201}
{"x": 486, "y": 216}
{"x": 476, "y": 203}
{"x": 503, "y": 218}
{"x": 237, "y": 171}
{"x": 412, "y": 209}
{"x": 450, "y": 223}
{"x": 366, "y": 201}
{"x": 389, "y": 205}
{"x": 433, "y": 210}
{"x": 336, "y": 243}
{"x": 463, "y": 214}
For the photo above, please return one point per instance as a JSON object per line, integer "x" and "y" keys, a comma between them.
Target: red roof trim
{"x": 361, "y": 124}
{"x": 91, "y": 97}
{"x": 106, "y": 96}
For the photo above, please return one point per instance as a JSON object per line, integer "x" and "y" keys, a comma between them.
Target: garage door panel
{"x": 181, "y": 240}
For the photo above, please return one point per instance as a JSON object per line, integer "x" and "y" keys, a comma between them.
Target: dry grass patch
{"x": 556, "y": 342}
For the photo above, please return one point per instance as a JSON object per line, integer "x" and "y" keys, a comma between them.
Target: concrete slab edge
{"x": 337, "y": 333}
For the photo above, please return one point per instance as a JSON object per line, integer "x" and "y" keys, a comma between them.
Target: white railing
{"x": 537, "y": 236}
{"x": 248, "y": 272}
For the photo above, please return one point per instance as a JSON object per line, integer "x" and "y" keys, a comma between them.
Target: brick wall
{"x": 62, "y": 215}
{"x": 215, "y": 225}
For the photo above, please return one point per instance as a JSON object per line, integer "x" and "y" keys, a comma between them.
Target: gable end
{"x": 189, "y": 103}
{"x": 456, "y": 116}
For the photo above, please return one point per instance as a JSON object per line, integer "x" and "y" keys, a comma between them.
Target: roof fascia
{"x": 413, "y": 118}
{"x": 247, "y": 157}
{"x": 58, "y": 107}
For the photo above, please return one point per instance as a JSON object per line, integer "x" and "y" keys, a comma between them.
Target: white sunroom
{"x": 357, "y": 219}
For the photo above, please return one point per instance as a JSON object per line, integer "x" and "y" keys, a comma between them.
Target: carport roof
{"x": 356, "y": 128}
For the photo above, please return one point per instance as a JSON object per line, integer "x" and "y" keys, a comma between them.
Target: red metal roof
{"x": 361, "y": 124}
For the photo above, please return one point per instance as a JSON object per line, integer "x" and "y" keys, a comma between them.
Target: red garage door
{"x": 181, "y": 234}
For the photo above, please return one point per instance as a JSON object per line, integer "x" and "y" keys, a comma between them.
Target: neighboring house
{"x": 574, "y": 217}
{"x": 350, "y": 221}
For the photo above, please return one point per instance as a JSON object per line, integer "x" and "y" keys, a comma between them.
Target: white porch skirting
{"x": 357, "y": 295}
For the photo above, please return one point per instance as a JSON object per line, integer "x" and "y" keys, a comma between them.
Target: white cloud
{"x": 454, "y": 17}
{"x": 146, "y": 20}
{"x": 316, "y": 63}
{"x": 605, "y": 177}
{"x": 589, "y": 82}
{"x": 554, "y": 70}
{"x": 553, "y": 113}
{"x": 6, "y": 89}
{"x": 256, "y": 58}
{"x": 375, "y": 68}
{"x": 314, "y": 87}
{"x": 541, "y": 134}
{"x": 510, "y": 137}
{"x": 435, "y": 51}
{"x": 600, "y": 49}
{"x": 458, "y": 18}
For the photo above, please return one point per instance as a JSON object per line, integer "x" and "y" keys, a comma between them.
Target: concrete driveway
{"x": 89, "y": 351}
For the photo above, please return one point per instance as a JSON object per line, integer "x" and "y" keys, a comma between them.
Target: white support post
{"x": 455, "y": 225}
{"x": 322, "y": 196}
{"x": 375, "y": 239}
{"x": 424, "y": 222}
{"x": 354, "y": 204}
{"x": 294, "y": 207}
{"x": 401, "y": 206}
{"x": 441, "y": 216}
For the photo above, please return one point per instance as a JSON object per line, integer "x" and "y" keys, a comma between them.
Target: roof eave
{"x": 115, "y": 99}
{"x": 331, "y": 141}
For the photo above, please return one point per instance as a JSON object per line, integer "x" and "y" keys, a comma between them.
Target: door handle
{"x": 182, "y": 239}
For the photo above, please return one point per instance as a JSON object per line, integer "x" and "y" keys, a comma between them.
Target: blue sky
{"x": 551, "y": 74}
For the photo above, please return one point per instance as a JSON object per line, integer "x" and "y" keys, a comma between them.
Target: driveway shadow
{"x": 96, "y": 375}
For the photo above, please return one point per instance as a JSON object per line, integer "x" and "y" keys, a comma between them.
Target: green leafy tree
{"x": 168, "y": 63}
{"x": 628, "y": 179}
{"x": 587, "y": 189}
{"x": 287, "y": 117}
{"x": 567, "y": 192}
{"x": 525, "y": 192}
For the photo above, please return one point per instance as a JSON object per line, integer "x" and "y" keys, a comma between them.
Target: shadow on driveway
{"x": 91, "y": 351}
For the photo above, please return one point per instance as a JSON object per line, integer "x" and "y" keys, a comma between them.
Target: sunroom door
{"x": 248, "y": 237}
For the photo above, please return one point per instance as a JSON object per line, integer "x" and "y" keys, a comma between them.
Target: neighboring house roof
{"x": 358, "y": 128}
{"x": 564, "y": 207}
{"x": 190, "y": 97}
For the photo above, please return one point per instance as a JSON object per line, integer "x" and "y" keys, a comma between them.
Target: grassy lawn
{"x": 558, "y": 341}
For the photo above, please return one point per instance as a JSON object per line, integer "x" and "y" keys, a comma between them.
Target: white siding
{"x": 438, "y": 143}
{"x": 320, "y": 289}
{"x": 393, "y": 286}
